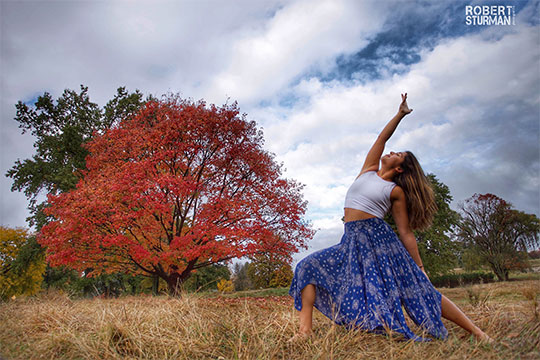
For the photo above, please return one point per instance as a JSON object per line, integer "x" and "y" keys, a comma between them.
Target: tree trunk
{"x": 155, "y": 284}
{"x": 498, "y": 272}
{"x": 174, "y": 282}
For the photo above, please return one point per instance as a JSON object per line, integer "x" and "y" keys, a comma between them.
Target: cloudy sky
{"x": 320, "y": 77}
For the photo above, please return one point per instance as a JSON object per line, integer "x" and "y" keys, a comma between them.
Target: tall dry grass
{"x": 52, "y": 326}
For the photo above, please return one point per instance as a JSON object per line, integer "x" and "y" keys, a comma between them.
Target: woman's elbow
{"x": 407, "y": 236}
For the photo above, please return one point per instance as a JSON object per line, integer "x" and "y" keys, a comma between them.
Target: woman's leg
{"x": 451, "y": 312}
{"x": 306, "y": 314}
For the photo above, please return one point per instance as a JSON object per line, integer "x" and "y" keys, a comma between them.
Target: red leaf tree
{"x": 180, "y": 186}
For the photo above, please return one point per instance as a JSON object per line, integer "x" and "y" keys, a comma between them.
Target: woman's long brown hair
{"x": 421, "y": 204}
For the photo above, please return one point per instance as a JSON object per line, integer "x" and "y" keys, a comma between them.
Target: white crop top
{"x": 370, "y": 193}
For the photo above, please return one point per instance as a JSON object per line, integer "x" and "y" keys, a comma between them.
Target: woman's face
{"x": 394, "y": 159}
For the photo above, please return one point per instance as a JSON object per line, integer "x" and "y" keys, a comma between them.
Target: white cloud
{"x": 301, "y": 35}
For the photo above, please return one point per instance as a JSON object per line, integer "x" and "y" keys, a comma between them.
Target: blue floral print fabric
{"x": 364, "y": 281}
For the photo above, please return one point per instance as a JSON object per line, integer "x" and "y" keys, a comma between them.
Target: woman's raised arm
{"x": 374, "y": 155}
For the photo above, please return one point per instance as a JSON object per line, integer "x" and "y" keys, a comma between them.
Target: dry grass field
{"x": 53, "y": 326}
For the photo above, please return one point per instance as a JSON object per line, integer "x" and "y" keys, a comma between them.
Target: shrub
{"x": 225, "y": 286}
{"x": 455, "y": 280}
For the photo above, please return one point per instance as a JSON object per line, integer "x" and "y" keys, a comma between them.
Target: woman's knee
{"x": 308, "y": 294}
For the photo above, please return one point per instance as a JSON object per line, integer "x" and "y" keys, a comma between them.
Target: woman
{"x": 364, "y": 281}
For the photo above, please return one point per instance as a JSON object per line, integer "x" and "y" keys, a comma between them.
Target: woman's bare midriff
{"x": 354, "y": 214}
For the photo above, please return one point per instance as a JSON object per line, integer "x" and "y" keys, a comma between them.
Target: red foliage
{"x": 180, "y": 186}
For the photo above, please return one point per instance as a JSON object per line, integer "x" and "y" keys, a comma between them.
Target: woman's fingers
{"x": 403, "y": 107}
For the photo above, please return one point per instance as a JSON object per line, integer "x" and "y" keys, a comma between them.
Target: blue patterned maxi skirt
{"x": 364, "y": 281}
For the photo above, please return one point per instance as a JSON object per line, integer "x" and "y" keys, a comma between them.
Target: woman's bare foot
{"x": 300, "y": 336}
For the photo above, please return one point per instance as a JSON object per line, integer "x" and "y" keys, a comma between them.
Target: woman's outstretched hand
{"x": 403, "y": 107}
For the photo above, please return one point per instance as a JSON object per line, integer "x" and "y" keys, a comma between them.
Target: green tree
{"x": 107, "y": 285}
{"x": 499, "y": 234}
{"x": 437, "y": 245}
{"x": 471, "y": 260}
{"x": 60, "y": 129}
{"x": 60, "y": 277}
{"x": 438, "y": 250}
{"x": 207, "y": 278}
{"x": 268, "y": 270}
